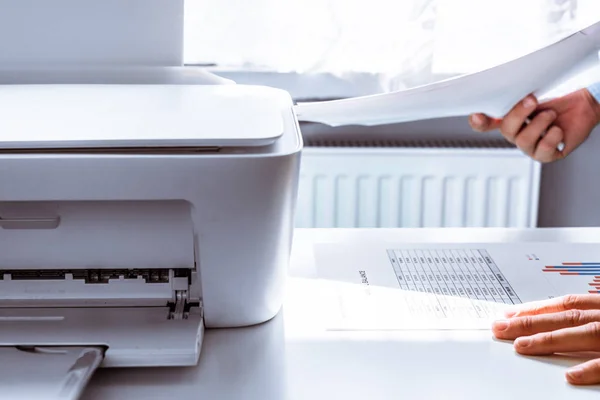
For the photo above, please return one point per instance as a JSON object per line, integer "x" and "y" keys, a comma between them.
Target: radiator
{"x": 379, "y": 185}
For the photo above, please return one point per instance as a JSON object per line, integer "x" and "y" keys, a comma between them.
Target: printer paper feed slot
{"x": 99, "y": 235}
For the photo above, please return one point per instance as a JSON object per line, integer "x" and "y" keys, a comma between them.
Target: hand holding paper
{"x": 549, "y": 131}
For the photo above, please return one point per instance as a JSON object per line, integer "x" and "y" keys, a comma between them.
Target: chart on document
{"x": 448, "y": 286}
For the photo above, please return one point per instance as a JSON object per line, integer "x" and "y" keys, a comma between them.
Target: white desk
{"x": 292, "y": 357}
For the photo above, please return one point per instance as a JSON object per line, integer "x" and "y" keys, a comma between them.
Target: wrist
{"x": 594, "y": 100}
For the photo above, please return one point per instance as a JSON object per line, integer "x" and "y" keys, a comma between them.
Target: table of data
{"x": 447, "y": 274}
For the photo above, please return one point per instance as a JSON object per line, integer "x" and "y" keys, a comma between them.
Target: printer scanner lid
{"x": 118, "y": 116}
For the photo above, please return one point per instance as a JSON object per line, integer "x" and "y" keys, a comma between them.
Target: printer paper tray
{"x": 47, "y": 373}
{"x": 132, "y": 336}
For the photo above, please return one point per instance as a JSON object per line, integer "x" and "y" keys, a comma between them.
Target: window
{"x": 392, "y": 44}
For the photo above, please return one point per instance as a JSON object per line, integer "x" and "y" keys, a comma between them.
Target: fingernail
{"x": 529, "y": 102}
{"x": 575, "y": 373}
{"x": 500, "y": 325}
{"x": 523, "y": 342}
{"x": 551, "y": 113}
{"x": 477, "y": 120}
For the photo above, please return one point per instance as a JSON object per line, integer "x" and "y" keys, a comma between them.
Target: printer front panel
{"x": 240, "y": 215}
{"x": 89, "y": 271}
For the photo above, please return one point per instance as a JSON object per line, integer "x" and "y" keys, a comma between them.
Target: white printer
{"x": 132, "y": 217}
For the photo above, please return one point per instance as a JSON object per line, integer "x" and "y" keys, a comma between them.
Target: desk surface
{"x": 293, "y": 357}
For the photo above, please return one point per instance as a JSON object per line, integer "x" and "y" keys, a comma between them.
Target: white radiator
{"x": 422, "y": 186}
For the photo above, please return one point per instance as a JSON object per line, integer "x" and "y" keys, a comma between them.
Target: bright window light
{"x": 410, "y": 42}
{"x": 493, "y": 32}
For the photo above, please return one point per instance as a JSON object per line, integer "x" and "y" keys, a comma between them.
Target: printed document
{"x": 446, "y": 286}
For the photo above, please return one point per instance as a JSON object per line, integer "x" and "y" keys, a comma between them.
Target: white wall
{"x": 85, "y": 32}
{"x": 570, "y": 191}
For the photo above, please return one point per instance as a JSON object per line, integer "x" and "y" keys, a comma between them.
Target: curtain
{"x": 407, "y": 42}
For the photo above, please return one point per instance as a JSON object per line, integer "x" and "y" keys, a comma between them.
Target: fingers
{"x": 564, "y": 303}
{"x": 562, "y": 325}
{"x": 483, "y": 123}
{"x": 511, "y": 124}
{"x": 587, "y": 373}
{"x": 530, "y": 325}
{"x": 527, "y": 139}
{"x": 536, "y": 138}
{"x": 547, "y": 148}
{"x": 517, "y": 117}
{"x": 580, "y": 338}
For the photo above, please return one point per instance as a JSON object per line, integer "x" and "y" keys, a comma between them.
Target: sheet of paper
{"x": 446, "y": 286}
{"x": 493, "y": 91}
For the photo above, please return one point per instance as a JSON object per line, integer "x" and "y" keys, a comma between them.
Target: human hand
{"x": 562, "y": 325}
{"x": 538, "y": 129}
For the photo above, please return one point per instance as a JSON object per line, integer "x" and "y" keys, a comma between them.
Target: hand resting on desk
{"x": 539, "y": 129}
{"x": 563, "y": 325}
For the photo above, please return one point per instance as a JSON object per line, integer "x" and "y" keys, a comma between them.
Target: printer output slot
{"x": 93, "y": 288}
{"x": 97, "y": 276}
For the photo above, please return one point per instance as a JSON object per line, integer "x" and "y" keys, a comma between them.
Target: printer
{"x": 134, "y": 217}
